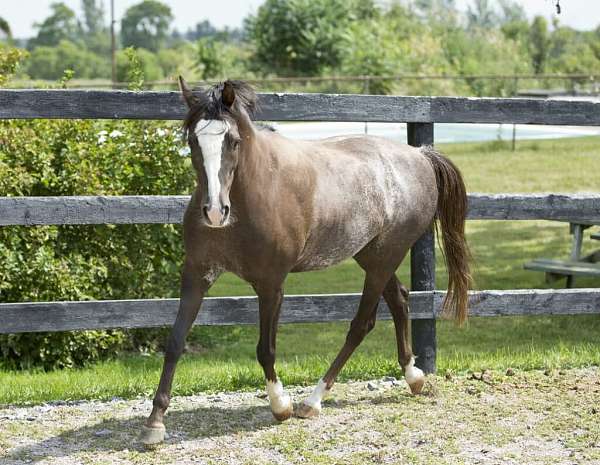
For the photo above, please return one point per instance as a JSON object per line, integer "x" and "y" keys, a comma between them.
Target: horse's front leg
{"x": 269, "y": 302}
{"x": 361, "y": 325}
{"x": 195, "y": 281}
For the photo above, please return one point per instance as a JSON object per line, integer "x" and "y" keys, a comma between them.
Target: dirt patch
{"x": 490, "y": 418}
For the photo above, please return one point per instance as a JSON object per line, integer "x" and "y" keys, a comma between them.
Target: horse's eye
{"x": 235, "y": 144}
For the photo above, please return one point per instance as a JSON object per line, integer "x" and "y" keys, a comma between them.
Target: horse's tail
{"x": 451, "y": 213}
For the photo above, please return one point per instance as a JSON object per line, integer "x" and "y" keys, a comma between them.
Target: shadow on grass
{"x": 122, "y": 434}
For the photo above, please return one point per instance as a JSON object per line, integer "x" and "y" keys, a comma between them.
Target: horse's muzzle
{"x": 214, "y": 216}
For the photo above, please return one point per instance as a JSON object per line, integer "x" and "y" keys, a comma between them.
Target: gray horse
{"x": 265, "y": 206}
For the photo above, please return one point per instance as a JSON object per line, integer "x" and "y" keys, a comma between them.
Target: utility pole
{"x": 113, "y": 43}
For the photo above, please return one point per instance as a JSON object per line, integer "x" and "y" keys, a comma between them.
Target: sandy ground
{"x": 483, "y": 418}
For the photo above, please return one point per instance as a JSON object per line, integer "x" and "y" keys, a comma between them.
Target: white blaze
{"x": 210, "y": 134}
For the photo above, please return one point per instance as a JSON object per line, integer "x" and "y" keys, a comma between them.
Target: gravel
{"x": 484, "y": 418}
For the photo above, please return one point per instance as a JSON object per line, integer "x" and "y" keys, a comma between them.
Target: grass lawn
{"x": 224, "y": 358}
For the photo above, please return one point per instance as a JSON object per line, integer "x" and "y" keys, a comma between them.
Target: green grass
{"x": 227, "y": 360}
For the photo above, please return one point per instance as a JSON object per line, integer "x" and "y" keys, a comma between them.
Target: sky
{"x": 21, "y": 14}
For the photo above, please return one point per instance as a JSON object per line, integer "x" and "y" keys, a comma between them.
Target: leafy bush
{"x": 10, "y": 59}
{"x": 54, "y": 157}
{"x": 150, "y": 66}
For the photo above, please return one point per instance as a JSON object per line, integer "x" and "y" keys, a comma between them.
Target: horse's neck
{"x": 254, "y": 170}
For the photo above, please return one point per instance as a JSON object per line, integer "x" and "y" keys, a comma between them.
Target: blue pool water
{"x": 443, "y": 132}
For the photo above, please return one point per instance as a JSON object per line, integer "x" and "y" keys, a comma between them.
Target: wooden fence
{"x": 421, "y": 113}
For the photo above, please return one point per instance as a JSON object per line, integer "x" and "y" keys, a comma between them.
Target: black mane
{"x": 208, "y": 104}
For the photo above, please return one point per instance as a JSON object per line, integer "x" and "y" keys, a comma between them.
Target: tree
{"x": 511, "y": 12}
{"x": 513, "y": 22}
{"x": 202, "y": 29}
{"x": 302, "y": 37}
{"x": 60, "y": 25}
{"x": 51, "y": 62}
{"x": 5, "y": 28}
{"x": 93, "y": 17}
{"x": 427, "y": 6}
{"x": 93, "y": 31}
{"x": 595, "y": 42}
{"x": 482, "y": 15}
{"x": 539, "y": 43}
{"x": 146, "y": 25}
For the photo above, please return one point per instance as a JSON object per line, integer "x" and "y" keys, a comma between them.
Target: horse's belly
{"x": 323, "y": 259}
{"x": 334, "y": 245}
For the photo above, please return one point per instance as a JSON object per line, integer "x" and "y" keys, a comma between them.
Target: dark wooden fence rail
{"x": 144, "y": 313}
{"x": 153, "y": 209}
{"x": 420, "y": 112}
{"x": 97, "y": 104}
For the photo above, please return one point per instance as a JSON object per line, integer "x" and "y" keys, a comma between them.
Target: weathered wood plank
{"x": 59, "y": 316}
{"x": 560, "y": 207}
{"x": 562, "y": 267}
{"x": 170, "y": 209}
{"x": 66, "y": 316}
{"x": 92, "y": 210}
{"x": 530, "y": 302}
{"x": 114, "y": 104}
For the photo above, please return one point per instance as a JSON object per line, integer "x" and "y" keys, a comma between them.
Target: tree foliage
{"x": 303, "y": 37}
{"x": 482, "y": 14}
{"x": 93, "y": 30}
{"x": 93, "y": 17}
{"x": 60, "y": 25}
{"x": 209, "y": 60}
{"x": 50, "y": 62}
{"x": 146, "y": 25}
{"x": 539, "y": 43}
{"x": 5, "y": 28}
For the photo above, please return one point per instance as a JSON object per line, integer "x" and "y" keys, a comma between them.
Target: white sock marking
{"x": 317, "y": 395}
{"x": 412, "y": 373}
{"x": 210, "y": 134}
{"x": 279, "y": 399}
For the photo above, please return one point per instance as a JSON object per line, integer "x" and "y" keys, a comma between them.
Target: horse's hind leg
{"x": 194, "y": 283}
{"x": 396, "y": 297}
{"x": 361, "y": 325}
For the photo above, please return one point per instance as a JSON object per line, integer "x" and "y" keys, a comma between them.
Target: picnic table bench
{"x": 577, "y": 265}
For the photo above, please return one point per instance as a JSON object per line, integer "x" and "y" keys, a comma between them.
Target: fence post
{"x": 422, "y": 269}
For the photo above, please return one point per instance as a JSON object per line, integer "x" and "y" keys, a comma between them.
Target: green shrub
{"x": 149, "y": 63}
{"x": 10, "y": 59}
{"x": 54, "y": 157}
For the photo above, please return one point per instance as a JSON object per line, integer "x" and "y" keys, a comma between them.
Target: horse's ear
{"x": 228, "y": 94}
{"x": 186, "y": 92}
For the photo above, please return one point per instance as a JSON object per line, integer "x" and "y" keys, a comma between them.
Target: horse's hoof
{"x": 284, "y": 414}
{"x": 306, "y": 411}
{"x": 415, "y": 378}
{"x": 417, "y": 386}
{"x": 152, "y": 435}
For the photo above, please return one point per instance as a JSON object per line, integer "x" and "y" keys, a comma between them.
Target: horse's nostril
{"x": 225, "y": 211}
{"x": 205, "y": 211}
